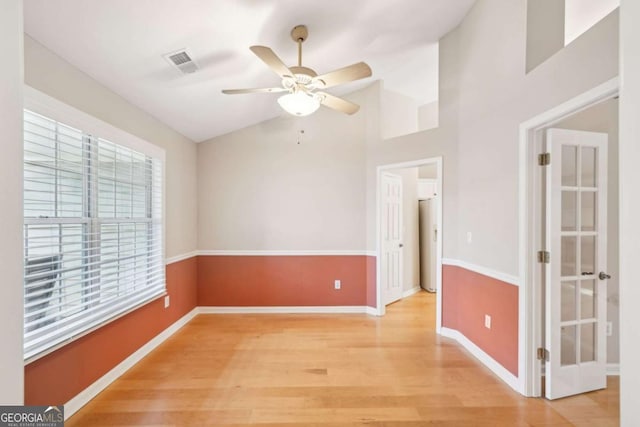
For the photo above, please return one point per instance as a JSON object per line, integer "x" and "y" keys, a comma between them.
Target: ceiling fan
{"x": 302, "y": 84}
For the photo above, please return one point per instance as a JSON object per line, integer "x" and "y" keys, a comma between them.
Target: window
{"x": 93, "y": 231}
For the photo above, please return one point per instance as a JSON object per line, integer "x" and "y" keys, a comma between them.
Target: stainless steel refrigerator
{"x": 428, "y": 229}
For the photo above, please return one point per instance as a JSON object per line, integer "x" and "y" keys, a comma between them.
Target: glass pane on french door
{"x": 579, "y": 242}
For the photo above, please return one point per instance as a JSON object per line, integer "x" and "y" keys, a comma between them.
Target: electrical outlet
{"x": 609, "y": 329}
{"x": 487, "y": 321}
{"x": 337, "y": 284}
{"x": 469, "y": 237}
{"x": 167, "y": 301}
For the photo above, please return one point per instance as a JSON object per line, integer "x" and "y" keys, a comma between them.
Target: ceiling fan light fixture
{"x": 299, "y": 103}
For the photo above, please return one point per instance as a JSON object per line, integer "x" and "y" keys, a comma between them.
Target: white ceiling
{"x": 121, "y": 44}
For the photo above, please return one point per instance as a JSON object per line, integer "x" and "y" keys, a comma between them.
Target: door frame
{"x": 529, "y": 229}
{"x": 380, "y": 307}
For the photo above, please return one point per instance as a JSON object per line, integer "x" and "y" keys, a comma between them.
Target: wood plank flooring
{"x": 327, "y": 370}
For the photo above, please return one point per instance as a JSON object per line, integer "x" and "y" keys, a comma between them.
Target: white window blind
{"x": 93, "y": 231}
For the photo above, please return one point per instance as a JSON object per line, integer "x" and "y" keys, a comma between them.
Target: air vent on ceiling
{"x": 182, "y": 60}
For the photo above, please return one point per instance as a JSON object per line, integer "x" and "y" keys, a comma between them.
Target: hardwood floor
{"x": 327, "y": 370}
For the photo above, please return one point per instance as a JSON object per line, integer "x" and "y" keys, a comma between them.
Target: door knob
{"x": 603, "y": 276}
{"x": 400, "y": 245}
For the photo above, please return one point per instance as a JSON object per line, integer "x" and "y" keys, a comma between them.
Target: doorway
{"x": 431, "y": 170}
{"x": 570, "y": 348}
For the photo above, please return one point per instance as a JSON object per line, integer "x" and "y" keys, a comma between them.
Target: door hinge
{"x": 543, "y": 354}
{"x": 544, "y": 257}
{"x": 544, "y": 159}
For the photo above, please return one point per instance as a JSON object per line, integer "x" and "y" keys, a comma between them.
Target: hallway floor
{"x": 327, "y": 370}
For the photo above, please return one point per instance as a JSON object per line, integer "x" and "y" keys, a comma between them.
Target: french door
{"x": 576, "y": 279}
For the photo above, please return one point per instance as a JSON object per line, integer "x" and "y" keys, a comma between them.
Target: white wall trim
{"x": 411, "y": 291}
{"x": 499, "y": 370}
{"x": 494, "y": 274}
{"x": 224, "y": 252}
{"x": 329, "y": 309}
{"x": 180, "y": 257}
{"x": 613, "y": 369}
{"x": 82, "y": 398}
{"x": 336, "y": 252}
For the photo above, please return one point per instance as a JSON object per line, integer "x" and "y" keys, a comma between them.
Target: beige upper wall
{"x": 484, "y": 96}
{"x": 258, "y": 189}
{"x": 52, "y": 75}
{"x": 494, "y": 97}
{"x": 545, "y": 30}
{"x": 428, "y": 116}
{"x": 399, "y": 114}
{"x": 11, "y": 257}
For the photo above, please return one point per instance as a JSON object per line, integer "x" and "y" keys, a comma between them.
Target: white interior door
{"x": 391, "y": 222}
{"x": 576, "y": 286}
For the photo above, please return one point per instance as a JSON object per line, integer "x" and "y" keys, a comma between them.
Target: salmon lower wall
{"x": 244, "y": 281}
{"x": 466, "y": 297}
{"x": 270, "y": 281}
{"x": 372, "y": 294}
{"x": 58, "y": 377}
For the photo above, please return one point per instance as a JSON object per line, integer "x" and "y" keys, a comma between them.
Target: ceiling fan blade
{"x": 260, "y": 90}
{"x": 337, "y": 104}
{"x": 272, "y": 60}
{"x": 344, "y": 75}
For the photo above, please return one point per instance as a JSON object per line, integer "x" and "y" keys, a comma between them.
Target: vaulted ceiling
{"x": 121, "y": 44}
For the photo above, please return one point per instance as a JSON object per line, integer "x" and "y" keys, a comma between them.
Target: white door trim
{"x": 529, "y": 321}
{"x": 380, "y": 308}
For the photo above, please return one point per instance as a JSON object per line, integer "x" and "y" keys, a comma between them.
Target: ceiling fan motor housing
{"x": 299, "y": 33}
{"x": 302, "y": 76}
{"x": 303, "y": 71}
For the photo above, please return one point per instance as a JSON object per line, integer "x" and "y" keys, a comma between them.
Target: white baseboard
{"x": 81, "y": 399}
{"x": 372, "y": 311}
{"x": 329, "y": 309}
{"x": 500, "y": 371}
{"x": 411, "y": 291}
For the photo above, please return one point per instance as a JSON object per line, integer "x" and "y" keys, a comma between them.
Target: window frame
{"x": 45, "y": 105}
